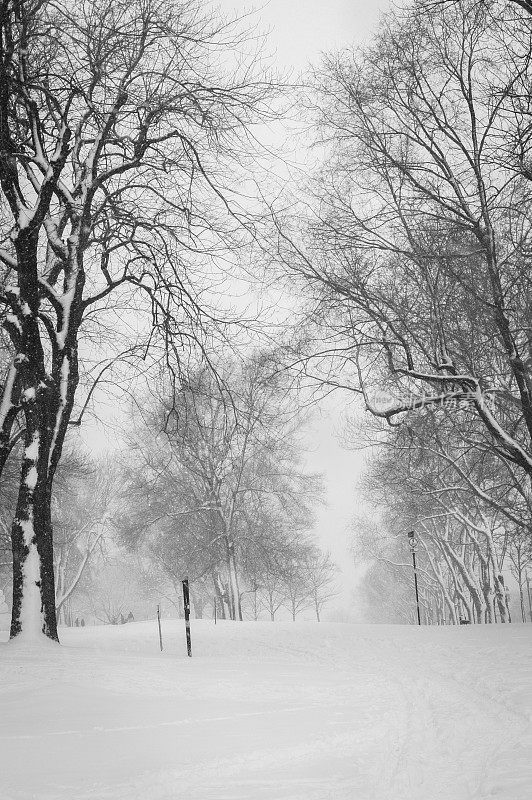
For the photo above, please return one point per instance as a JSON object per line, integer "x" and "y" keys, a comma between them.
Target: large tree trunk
{"x": 33, "y": 611}
{"x": 46, "y": 409}
{"x": 42, "y": 390}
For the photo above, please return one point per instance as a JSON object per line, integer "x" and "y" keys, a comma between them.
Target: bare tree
{"x": 120, "y": 122}
{"x": 417, "y": 250}
{"x": 221, "y": 485}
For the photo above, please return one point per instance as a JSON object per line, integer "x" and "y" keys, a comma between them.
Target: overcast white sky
{"x": 302, "y": 29}
{"x": 299, "y": 32}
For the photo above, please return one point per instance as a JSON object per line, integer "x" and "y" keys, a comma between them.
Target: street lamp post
{"x": 412, "y": 541}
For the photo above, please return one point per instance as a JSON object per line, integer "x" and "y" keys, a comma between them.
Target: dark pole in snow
{"x": 413, "y": 544}
{"x": 215, "y": 609}
{"x": 159, "y": 624}
{"x": 529, "y": 596}
{"x": 415, "y": 584}
{"x": 186, "y": 605}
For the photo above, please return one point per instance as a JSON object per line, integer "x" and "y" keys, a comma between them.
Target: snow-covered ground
{"x": 269, "y": 712}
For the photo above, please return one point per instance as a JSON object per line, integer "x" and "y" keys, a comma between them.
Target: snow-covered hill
{"x": 269, "y": 712}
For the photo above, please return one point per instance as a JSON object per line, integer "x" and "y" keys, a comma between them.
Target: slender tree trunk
{"x": 271, "y": 608}
{"x": 451, "y": 607}
{"x": 234, "y": 589}
{"x": 198, "y": 606}
{"x": 521, "y": 598}
{"x": 500, "y": 599}
{"x": 219, "y": 594}
{"x": 488, "y": 600}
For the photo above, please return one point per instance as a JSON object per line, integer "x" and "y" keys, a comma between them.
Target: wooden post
{"x": 186, "y": 606}
{"x": 159, "y": 624}
{"x": 215, "y": 609}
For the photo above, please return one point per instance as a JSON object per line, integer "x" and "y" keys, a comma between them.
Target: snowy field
{"x": 269, "y": 712}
